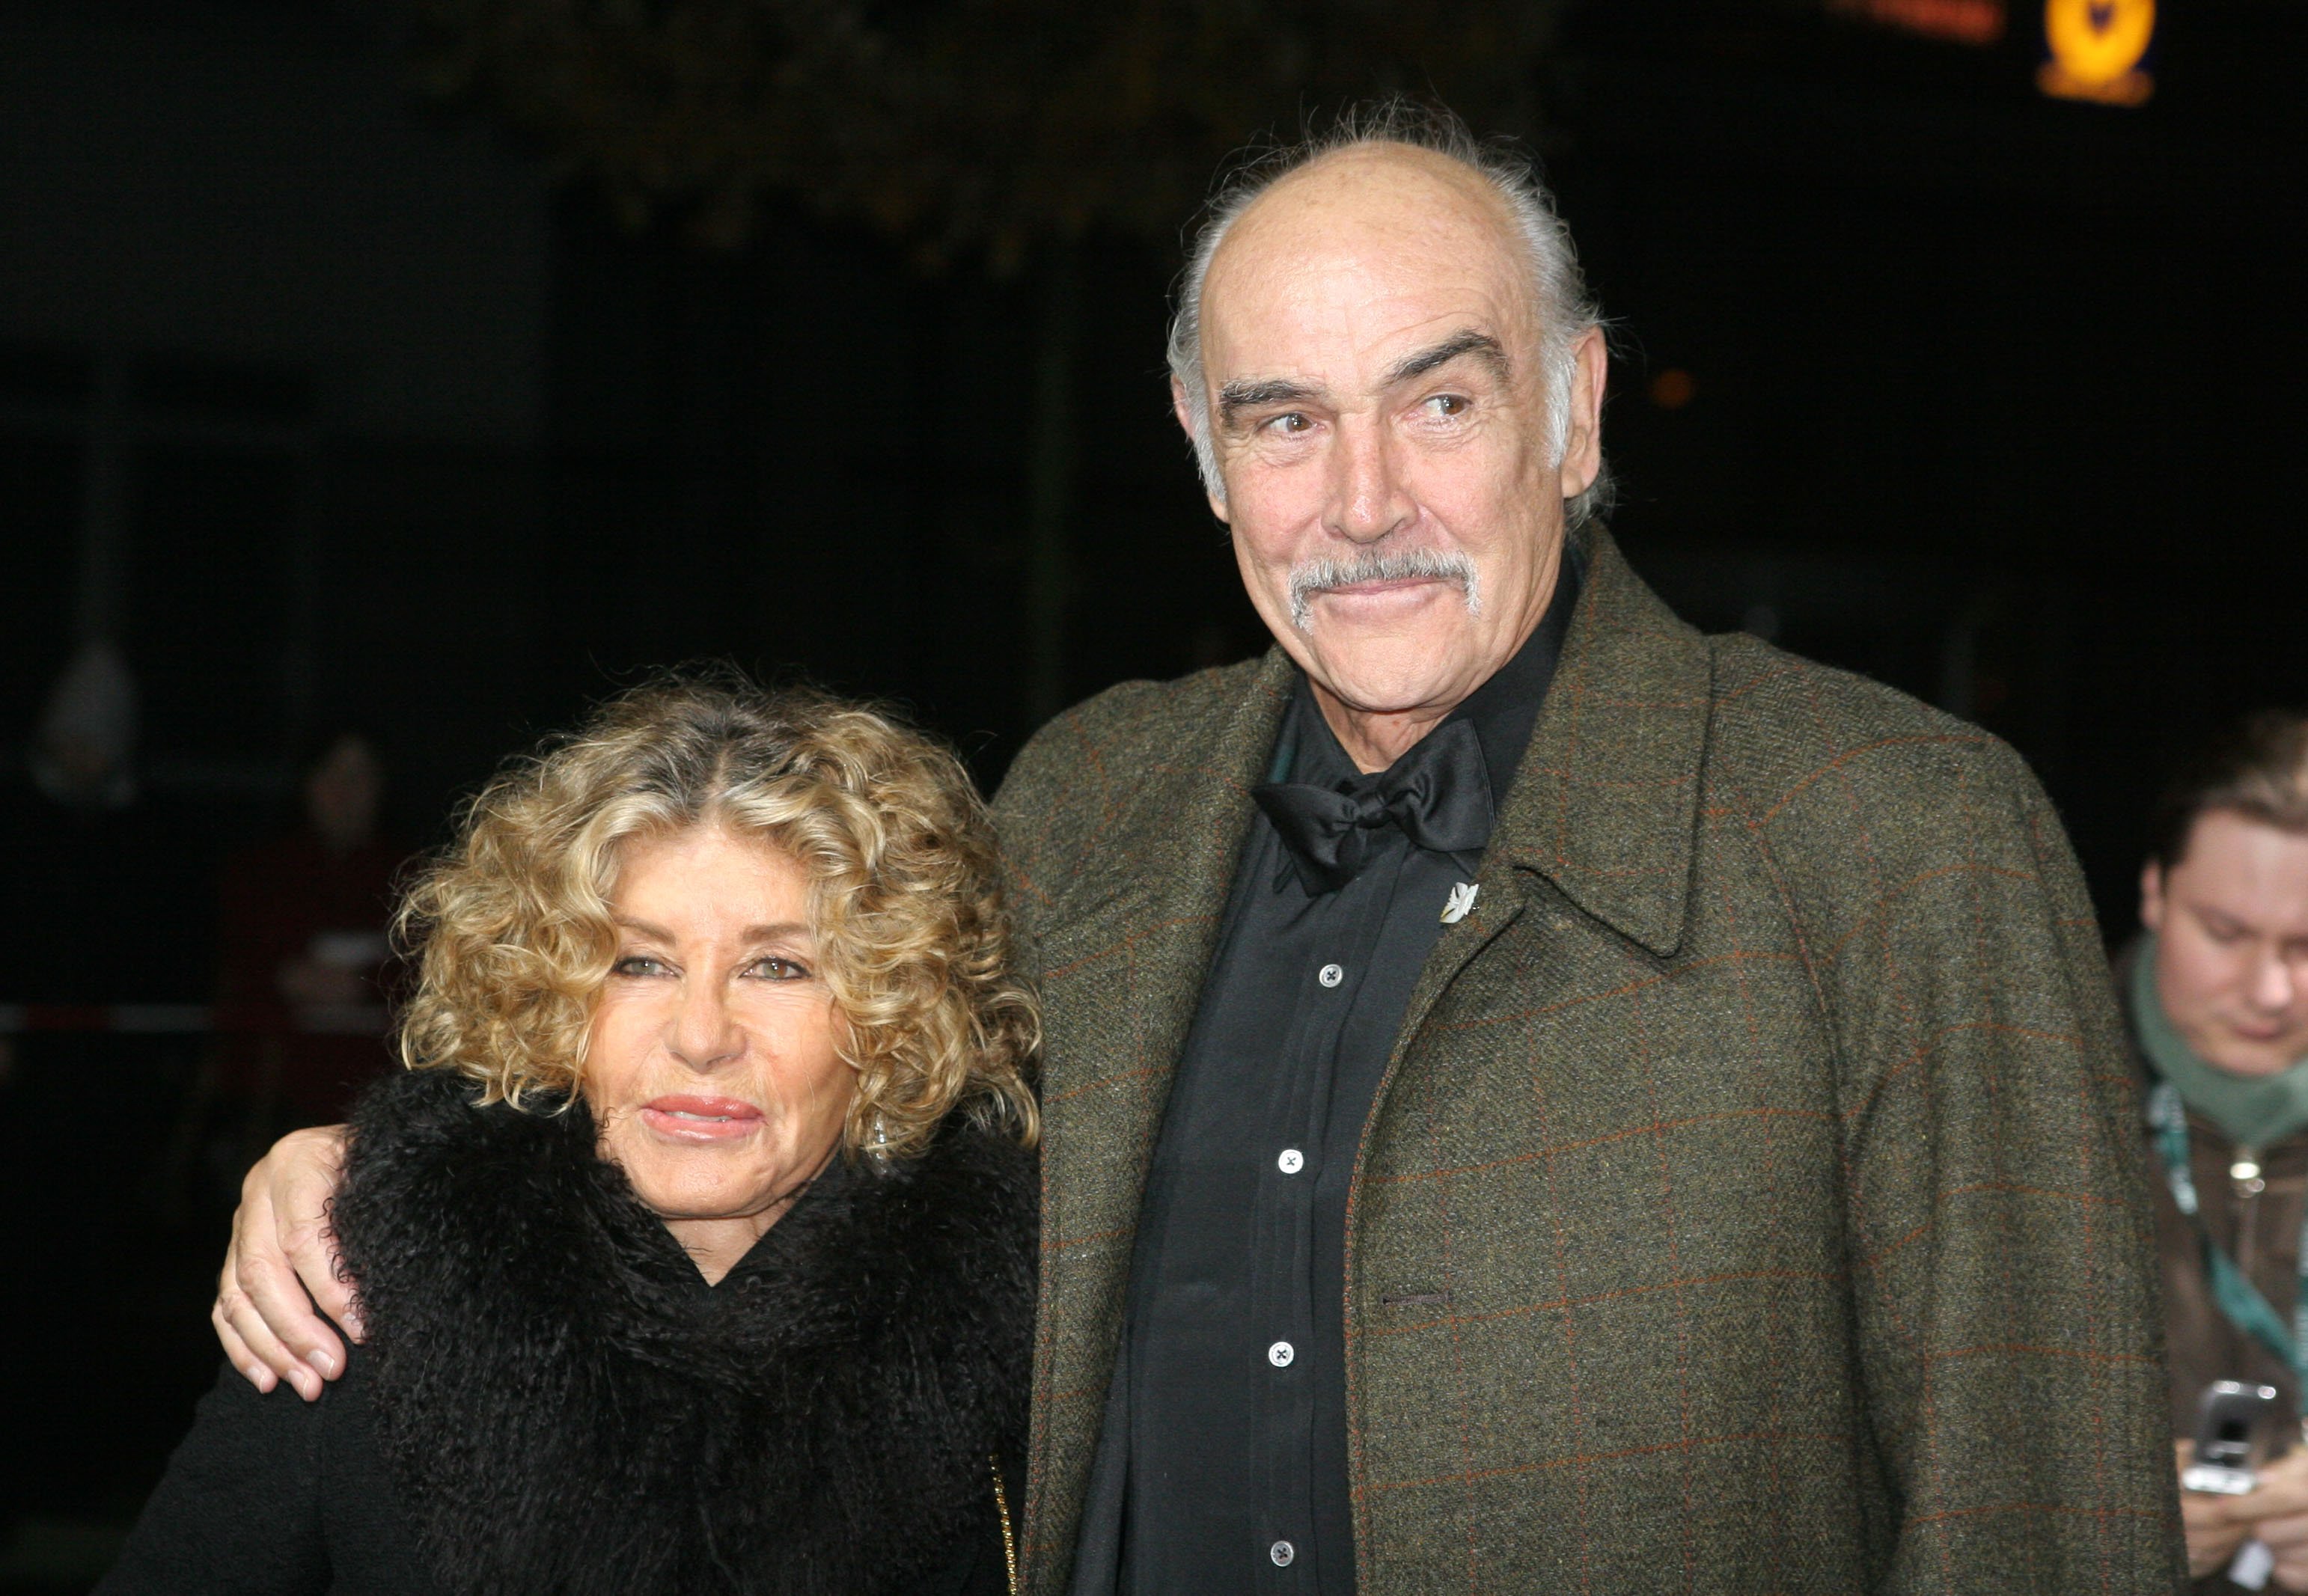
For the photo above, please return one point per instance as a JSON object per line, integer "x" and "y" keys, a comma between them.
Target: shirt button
{"x": 1291, "y": 1162}
{"x": 1281, "y": 1353}
{"x": 1283, "y": 1553}
{"x": 1331, "y": 975}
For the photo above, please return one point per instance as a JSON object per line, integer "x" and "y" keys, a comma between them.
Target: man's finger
{"x": 2290, "y": 1570}
{"x": 262, "y": 1296}
{"x": 305, "y": 1166}
{"x": 312, "y": 1251}
{"x": 237, "y": 1353}
{"x": 273, "y": 1309}
{"x": 262, "y": 1353}
{"x": 2283, "y": 1533}
{"x": 284, "y": 1258}
{"x": 2282, "y": 1494}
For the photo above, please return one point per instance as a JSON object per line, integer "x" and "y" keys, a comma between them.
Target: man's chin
{"x": 1397, "y": 680}
{"x": 2252, "y": 1056}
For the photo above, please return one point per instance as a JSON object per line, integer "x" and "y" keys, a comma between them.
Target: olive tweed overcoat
{"x": 1751, "y": 1203}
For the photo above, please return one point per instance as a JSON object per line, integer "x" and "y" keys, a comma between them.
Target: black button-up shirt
{"x": 1226, "y": 1429}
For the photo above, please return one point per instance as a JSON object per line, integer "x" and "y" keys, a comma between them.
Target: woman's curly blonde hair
{"x": 510, "y": 927}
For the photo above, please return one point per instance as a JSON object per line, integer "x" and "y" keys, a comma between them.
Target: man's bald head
{"x": 1394, "y": 384}
{"x": 1413, "y": 161}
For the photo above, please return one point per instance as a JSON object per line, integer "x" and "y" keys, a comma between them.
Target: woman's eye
{"x": 775, "y": 968}
{"x": 638, "y": 964}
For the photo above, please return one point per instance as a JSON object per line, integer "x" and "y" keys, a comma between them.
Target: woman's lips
{"x": 701, "y": 1119}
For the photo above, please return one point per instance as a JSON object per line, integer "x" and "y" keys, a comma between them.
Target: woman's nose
{"x": 704, "y": 1032}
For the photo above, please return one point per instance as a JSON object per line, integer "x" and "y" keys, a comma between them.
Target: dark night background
{"x": 334, "y": 407}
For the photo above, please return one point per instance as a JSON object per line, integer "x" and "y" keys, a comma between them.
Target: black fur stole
{"x": 565, "y": 1408}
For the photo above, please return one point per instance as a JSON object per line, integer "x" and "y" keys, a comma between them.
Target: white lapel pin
{"x": 1462, "y": 899}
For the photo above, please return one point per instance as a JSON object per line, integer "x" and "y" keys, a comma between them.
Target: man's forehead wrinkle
{"x": 1405, "y": 193}
{"x": 1358, "y": 345}
{"x": 1399, "y": 229}
{"x": 1353, "y": 268}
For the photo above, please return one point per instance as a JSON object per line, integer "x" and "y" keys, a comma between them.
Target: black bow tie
{"x": 1439, "y": 794}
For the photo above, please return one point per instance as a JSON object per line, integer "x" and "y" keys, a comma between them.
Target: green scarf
{"x": 2255, "y": 1111}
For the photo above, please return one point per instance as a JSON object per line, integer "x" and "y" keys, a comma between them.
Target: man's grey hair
{"x": 1566, "y": 312}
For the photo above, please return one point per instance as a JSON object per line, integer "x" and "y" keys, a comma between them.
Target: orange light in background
{"x": 1958, "y": 21}
{"x": 2097, "y": 47}
{"x": 1674, "y": 388}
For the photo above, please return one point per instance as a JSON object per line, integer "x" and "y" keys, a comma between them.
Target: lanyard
{"x": 2239, "y": 1300}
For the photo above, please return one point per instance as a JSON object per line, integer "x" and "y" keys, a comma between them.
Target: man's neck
{"x": 1375, "y": 740}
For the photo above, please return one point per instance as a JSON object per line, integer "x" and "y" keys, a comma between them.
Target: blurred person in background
{"x": 83, "y": 756}
{"x": 2215, "y": 989}
{"x": 89, "y": 850}
{"x": 305, "y": 958}
{"x": 694, "y": 1247}
{"x": 107, "y": 877}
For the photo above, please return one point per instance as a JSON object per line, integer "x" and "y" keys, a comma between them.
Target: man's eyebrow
{"x": 1491, "y": 353}
{"x": 1233, "y": 398}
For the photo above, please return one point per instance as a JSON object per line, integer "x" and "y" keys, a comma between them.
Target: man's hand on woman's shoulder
{"x": 279, "y": 1274}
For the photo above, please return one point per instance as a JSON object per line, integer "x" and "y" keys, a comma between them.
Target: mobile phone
{"x": 2231, "y": 1427}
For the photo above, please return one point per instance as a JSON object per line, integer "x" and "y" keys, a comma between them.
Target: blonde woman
{"x": 694, "y": 1247}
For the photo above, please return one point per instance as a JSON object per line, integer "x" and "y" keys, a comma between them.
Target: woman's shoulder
{"x": 270, "y": 1494}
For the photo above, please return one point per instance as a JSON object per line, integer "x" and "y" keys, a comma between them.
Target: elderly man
{"x": 1537, "y": 1098}
{"x": 2216, "y": 992}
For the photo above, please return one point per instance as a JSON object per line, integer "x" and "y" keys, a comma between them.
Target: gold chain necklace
{"x": 1009, "y": 1541}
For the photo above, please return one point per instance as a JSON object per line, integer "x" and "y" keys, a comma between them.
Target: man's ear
{"x": 2151, "y": 894}
{"x": 1582, "y": 436}
{"x": 1186, "y": 425}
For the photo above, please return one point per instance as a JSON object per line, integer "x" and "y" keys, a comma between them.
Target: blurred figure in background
{"x": 2216, "y": 992}
{"x": 83, "y": 754}
{"x": 87, "y": 853}
{"x": 108, "y": 883}
{"x": 304, "y": 952}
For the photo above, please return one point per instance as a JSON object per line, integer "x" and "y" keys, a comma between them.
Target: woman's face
{"x": 713, "y": 1072}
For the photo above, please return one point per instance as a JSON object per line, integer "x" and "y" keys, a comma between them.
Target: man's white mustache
{"x": 1380, "y": 565}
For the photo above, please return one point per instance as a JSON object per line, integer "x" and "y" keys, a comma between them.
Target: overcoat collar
{"x": 1606, "y": 802}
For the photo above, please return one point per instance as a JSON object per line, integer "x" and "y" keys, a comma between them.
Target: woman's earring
{"x": 878, "y": 1148}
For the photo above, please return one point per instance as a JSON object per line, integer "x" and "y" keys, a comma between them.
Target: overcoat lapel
{"x": 1604, "y": 811}
{"x": 1605, "y": 802}
{"x": 1123, "y": 960}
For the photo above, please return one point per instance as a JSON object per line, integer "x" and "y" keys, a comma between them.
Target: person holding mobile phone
{"x": 2215, "y": 991}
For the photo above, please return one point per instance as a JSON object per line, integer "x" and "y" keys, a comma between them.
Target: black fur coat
{"x": 561, "y": 1404}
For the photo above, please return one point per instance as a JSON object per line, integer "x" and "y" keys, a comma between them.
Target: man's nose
{"x": 2276, "y": 980}
{"x": 704, "y": 1033}
{"x": 1367, "y": 497}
